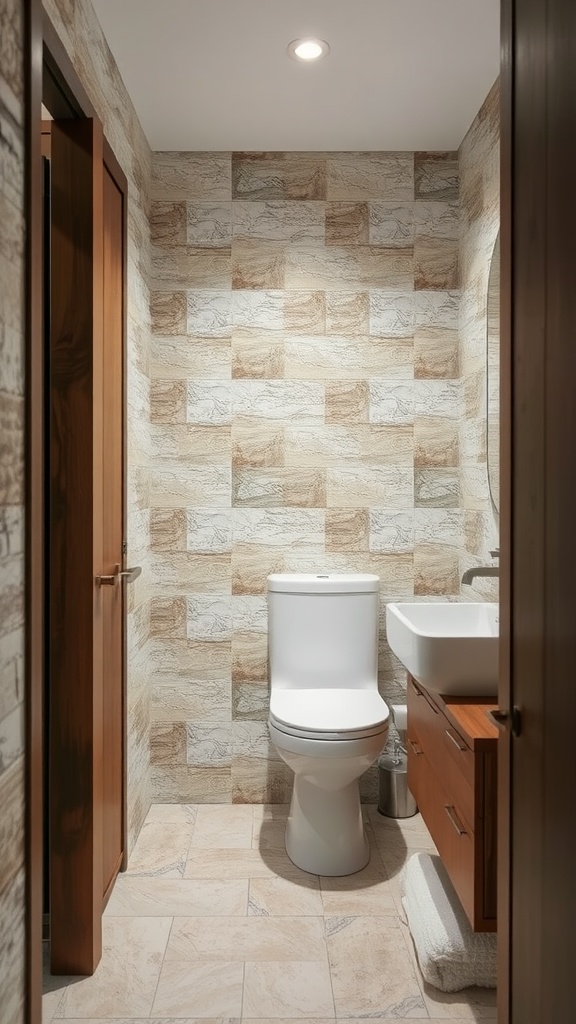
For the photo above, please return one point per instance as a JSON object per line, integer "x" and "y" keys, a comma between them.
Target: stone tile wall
{"x": 12, "y": 382}
{"x": 305, "y": 414}
{"x": 479, "y": 161}
{"x": 79, "y": 29}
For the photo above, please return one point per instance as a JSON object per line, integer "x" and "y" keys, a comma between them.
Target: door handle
{"x": 455, "y": 820}
{"x": 128, "y": 575}
{"x": 507, "y": 721}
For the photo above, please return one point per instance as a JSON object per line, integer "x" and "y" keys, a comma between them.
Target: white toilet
{"x": 327, "y": 719}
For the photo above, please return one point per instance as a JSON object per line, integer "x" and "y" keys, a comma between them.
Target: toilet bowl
{"x": 327, "y": 720}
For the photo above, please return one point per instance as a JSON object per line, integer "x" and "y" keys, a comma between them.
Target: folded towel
{"x": 451, "y": 956}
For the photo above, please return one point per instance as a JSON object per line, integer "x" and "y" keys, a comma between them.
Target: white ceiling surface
{"x": 215, "y": 75}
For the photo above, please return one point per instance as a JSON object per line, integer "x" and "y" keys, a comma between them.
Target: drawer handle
{"x": 430, "y": 704}
{"x": 417, "y": 750}
{"x": 461, "y": 746}
{"x": 455, "y": 820}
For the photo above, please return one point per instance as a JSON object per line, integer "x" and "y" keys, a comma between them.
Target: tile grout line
{"x": 161, "y": 967}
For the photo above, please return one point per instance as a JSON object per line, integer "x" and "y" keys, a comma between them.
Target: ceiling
{"x": 215, "y": 75}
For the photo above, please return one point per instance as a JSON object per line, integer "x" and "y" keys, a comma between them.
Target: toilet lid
{"x": 329, "y": 710}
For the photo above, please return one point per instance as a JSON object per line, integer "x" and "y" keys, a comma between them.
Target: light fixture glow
{"x": 308, "y": 49}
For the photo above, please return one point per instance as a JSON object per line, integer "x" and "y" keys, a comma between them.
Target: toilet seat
{"x": 328, "y": 714}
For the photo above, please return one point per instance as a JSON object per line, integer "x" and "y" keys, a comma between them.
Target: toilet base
{"x": 325, "y": 832}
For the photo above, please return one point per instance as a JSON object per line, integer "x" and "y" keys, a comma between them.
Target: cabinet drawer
{"x": 456, "y": 843}
{"x": 431, "y": 732}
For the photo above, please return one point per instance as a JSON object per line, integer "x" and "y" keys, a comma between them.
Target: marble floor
{"x": 213, "y": 923}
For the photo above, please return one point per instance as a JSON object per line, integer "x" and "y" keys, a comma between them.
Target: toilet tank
{"x": 323, "y": 630}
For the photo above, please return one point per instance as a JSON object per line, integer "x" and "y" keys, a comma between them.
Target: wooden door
{"x": 112, "y": 533}
{"x": 539, "y": 562}
{"x": 85, "y": 792}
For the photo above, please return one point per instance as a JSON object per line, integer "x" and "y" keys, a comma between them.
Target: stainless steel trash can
{"x": 395, "y": 799}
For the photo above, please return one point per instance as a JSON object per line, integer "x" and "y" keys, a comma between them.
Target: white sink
{"x": 448, "y": 648}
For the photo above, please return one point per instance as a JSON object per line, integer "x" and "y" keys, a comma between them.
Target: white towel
{"x": 450, "y": 954}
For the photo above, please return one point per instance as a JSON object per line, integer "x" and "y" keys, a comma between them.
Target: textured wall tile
{"x": 391, "y": 225}
{"x": 257, "y": 357}
{"x": 258, "y": 310}
{"x": 11, "y": 738}
{"x": 11, "y": 450}
{"x": 12, "y": 946}
{"x": 360, "y": 176}
{"x": 250, "y": 702}
{"x": 168, "y": 312}
{"x": 352, "y": 266}
{"x": 168, "y": 223}
{"x": 347, "y": 313}
{"x": 331, "y": 444}
{"x": 370, "y": 485}
{"x": 257, "y": 443}
{"x": 191, "y": 660}
{"x": 209, "y": 618}
{"x": 435, "y": 353}
{"x": 168, "y": 401}
{"x": 391, "y": 530}
{"x": 347, "y": 224}
{"x": 209, "y": 313}
{"x": 190, "y": 700}
{"x": 209, "y": 402}
{"x": 180, "y": 358}
{"x": 436, "y": 309}
{"x": 191, "y": 176}
{"x": 209, "y": 531}
{"x": 275, "y": 488}
{"x": 186, "y": 266}
{"x": 11, "y": 670}
{"x": 273, "y": 176}
{"x": 178, "y": 572}
{"x": 11, "y": 823}
{"x": 435, "y": 263}
{"x": 195, "y": 443}
{"x": 391, "y": 401}
{"x": 435, "y": 441}
{"x": 436, "y": 570}
{"x": 209, "y": 225}
{"x": 257, "y": 263}
{"x": 209, "y": 745}
{"x": 437, "y": 488}
{"x": 438, "y": 398}
{"x": 255, "y": 781}
{"x": 392, "y": 314}
{"x": 167, "y": 529}
{"x": 168, "y": 743}
{"x": 181, "y": 486}
{"x": 304, "y": 312}
{"x": 436, "y": 176}
{"x": 249, "y": 656}
{"x": 347, "y": 529}
{"x": 187, "y": 784}
{"x": 279, "y": 221}
{"x": 347, "y": 402}
{"x": 168, "y": 617}
{"x": 275, "y": 399}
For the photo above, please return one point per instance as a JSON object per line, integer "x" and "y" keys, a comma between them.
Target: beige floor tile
{"x": 241, "y": 864}
{"x": 173, "y": 814}
{"x": 199, "y": 990}
{"x": 161, "y": 849}
{"x": 295, "y": 990}
{"x": 125, "y": 980}
{"x": 226, "y": 827}
{"x": 472, "y": 1004}
{"x": 50, "y": 1002}
{"x": 269, "y": 834}
{"x": 168, "y": 897}
{"x": 165, "y": 1020}
{"x": 372, "y": 972}
{"x": 280, "y": 897}
{"x": 246, "y": 939}
{"x": 353, "y": 897}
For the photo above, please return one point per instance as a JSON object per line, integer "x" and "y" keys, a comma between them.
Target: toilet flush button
{"x": 325, "y": 577}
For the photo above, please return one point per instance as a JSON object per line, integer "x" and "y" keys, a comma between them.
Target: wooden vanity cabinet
{"x": 452, "y": 773}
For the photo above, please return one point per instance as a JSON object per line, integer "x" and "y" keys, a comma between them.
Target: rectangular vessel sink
{"x": 448, "y": 648}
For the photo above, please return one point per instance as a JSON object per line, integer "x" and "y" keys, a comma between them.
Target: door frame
{"x": 48, "y": 67}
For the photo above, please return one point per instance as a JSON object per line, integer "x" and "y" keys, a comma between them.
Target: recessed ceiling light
{"x": 308, "y": 49}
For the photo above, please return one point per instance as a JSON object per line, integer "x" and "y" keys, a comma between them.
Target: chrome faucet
{"x": 482, "y": 570}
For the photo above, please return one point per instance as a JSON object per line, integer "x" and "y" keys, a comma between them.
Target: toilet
{"x": 327, "y": 720}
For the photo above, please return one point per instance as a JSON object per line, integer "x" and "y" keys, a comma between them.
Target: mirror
{"x": 493, "y": 377}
